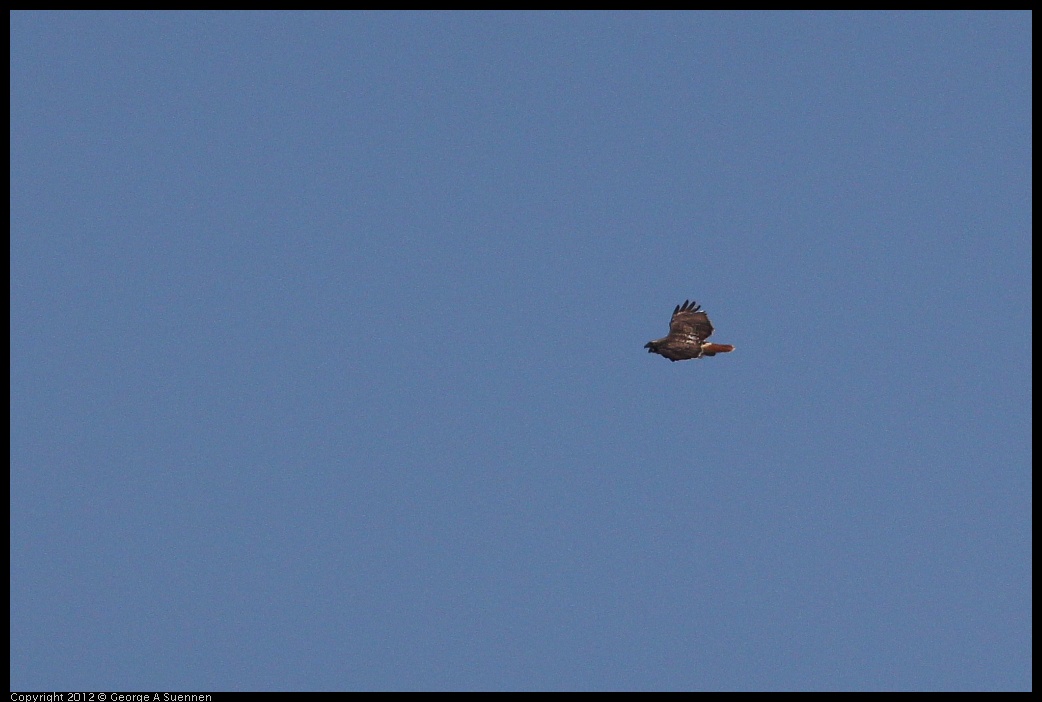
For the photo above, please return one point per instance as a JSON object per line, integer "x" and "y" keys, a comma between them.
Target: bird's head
{"x": 650, "y": 346}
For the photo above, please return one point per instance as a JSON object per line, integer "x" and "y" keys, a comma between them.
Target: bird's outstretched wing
{"x": 689, "y": 320}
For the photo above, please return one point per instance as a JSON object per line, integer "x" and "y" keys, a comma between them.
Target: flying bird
{"x": 689, "y": 327}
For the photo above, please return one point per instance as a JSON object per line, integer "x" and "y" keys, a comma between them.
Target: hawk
{"x": 689, "y": 327}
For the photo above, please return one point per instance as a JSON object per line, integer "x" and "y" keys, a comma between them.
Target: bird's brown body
{"x": 689, "y": 327}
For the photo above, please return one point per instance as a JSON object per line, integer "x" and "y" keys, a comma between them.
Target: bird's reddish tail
{"x": 711, "y": 349}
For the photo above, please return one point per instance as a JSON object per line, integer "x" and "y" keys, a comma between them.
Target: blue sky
{"x": 327, "y": 366}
